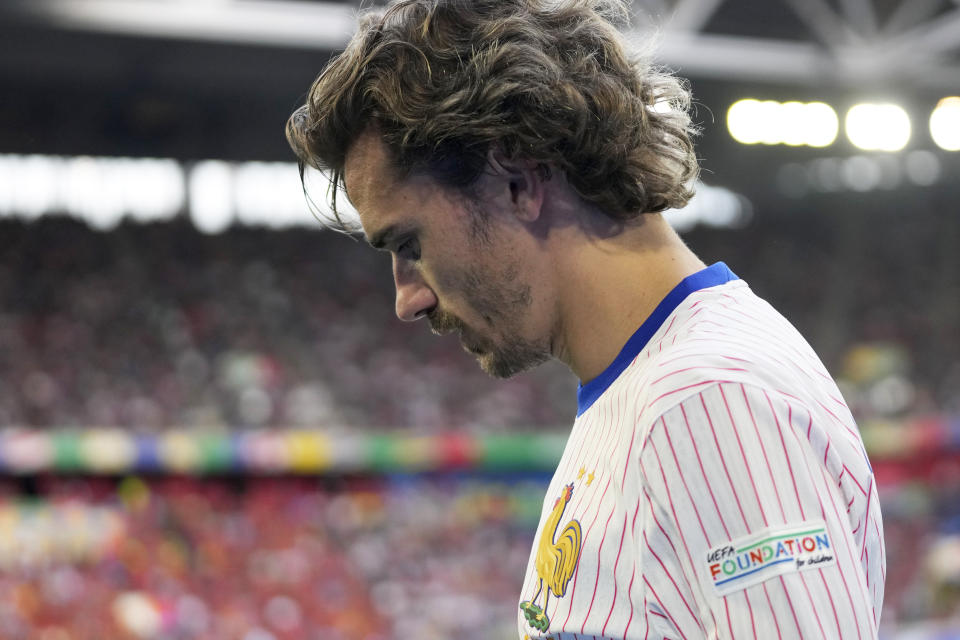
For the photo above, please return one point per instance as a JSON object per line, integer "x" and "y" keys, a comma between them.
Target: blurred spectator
{"x": 153, "y": 326}
{"x": 429, "y": 557}
{"x": 150, "y": 326}
{"x": 260, "y": 559}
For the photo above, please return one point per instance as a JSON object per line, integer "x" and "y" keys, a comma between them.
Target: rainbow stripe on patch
{"x": 767, "y": 553}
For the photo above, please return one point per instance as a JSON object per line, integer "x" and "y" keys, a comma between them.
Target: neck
{"x": 611, "y": 284}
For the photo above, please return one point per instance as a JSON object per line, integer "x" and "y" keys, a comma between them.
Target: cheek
{"x": 486, "y": 283}
{"x": 498, "y": 293}
{"x": 463, "y": 290}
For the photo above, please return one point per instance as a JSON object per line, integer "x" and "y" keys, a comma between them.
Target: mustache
{"x": 442, "y": 323}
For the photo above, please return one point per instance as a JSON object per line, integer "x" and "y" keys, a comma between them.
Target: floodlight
{"x": 878, "y": 127}
{"x": 821, "y": 124}
{"x": 792, "y": 123}
{"x": 769, "y": 122}
{"x": 741, "y": 121}
{"x": 945, "y": 124}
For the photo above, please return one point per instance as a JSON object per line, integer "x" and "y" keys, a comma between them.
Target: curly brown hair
{"x": 551, "y": 81}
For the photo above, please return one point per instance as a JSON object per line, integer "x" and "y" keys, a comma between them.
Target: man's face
{"x": 456, "y": 261}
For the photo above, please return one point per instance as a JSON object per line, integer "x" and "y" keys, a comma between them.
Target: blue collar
{"x": 712, "y": 276}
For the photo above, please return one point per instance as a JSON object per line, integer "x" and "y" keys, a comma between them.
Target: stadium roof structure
{"x": 206, "y": 79}
{"x": 915, "y": 42}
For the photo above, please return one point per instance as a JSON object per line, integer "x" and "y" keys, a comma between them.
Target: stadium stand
{"x": 157, "y": 331}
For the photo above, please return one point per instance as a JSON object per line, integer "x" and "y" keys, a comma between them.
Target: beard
{"x": 516, "y": 356}
{"x": 512, "y": 355}
{"x": 500, "y": 298}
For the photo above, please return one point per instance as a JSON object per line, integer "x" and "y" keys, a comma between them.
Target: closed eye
{"x": 409, "y": 249}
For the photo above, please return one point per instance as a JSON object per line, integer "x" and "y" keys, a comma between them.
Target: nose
{"x": 414, "y": 298}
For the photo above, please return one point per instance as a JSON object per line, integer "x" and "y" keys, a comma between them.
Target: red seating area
{"x": 256, "y": 559}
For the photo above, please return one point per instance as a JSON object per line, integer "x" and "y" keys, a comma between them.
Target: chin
{"x": 505, "y": 365}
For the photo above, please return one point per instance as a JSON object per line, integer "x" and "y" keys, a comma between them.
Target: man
{"x": 513, "y": 158}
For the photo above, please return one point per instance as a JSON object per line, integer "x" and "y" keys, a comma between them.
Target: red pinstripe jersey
{"x": 714, "y": 485}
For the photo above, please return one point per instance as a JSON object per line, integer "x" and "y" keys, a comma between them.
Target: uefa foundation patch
{"x": 774, "y": 551}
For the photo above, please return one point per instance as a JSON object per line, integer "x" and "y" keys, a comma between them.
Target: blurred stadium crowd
{"x": 429, "y": 557}
{"x": 263, "y": 559}
{"x": 158, "y": 325}
{"x": 150, "y": 327}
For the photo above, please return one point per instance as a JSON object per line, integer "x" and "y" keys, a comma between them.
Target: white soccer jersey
{"x": 714, "y": 485}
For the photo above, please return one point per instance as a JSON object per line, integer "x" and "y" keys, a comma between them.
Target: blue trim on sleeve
{"x": 716, "y": 274}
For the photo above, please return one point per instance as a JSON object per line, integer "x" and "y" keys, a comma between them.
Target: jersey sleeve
{"x": 749, "y": 531}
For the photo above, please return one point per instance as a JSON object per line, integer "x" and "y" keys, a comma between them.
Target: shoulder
{"x": 723, "y": 334}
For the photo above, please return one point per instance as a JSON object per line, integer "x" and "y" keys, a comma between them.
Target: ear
{"x": 525, "y": 181}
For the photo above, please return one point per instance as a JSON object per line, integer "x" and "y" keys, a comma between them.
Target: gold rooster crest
{"x": 555, "y": 561}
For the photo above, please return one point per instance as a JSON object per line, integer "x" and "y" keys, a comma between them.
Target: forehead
{"x": 367, "y": 172}
{"x": 388, "y": 204}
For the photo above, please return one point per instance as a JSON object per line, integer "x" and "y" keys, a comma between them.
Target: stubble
{"x": 501, "y": 298}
